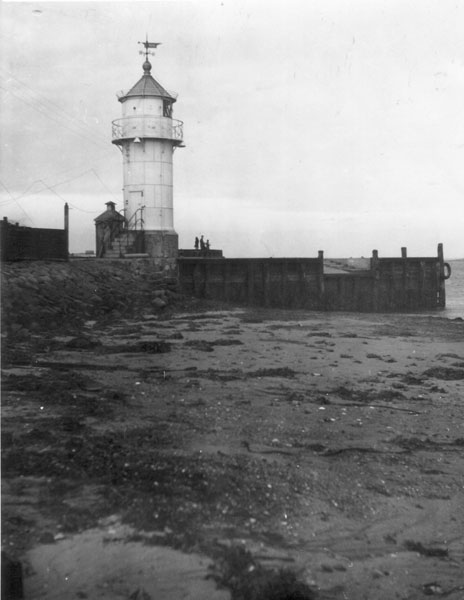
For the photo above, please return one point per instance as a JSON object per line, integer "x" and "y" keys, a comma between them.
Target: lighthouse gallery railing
{"x": 147, "y": 127}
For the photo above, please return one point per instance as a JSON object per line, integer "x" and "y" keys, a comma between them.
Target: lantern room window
{"x": 167, "y": 108}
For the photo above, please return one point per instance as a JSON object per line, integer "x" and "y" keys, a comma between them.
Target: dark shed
{"x": 108, "y": 226}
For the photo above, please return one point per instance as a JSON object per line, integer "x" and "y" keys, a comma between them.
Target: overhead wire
{"x": 96, "y": 160}
{"x": 52, "y": 189}
{"x": 103, "y": 184}
{"x": 47, "y": 104}
{"x": 15, "y": 200}
{"x": 90, "y": 212}
{"x": 64, "y": 122}
{"x": 65, "y": 201}
{"x": 76, "y": 126}
{"x": 24, "y": 194}
{"x": 43, "y": 106}
{"x": 45, "y": 113}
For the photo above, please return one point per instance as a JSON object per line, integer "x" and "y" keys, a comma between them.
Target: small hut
{"x": 108, "y": 226}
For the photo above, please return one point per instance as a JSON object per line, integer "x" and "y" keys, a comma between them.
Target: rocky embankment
{"x": 50, "y": 295}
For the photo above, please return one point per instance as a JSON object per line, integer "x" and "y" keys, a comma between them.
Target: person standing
{"x": 197, "y": 242}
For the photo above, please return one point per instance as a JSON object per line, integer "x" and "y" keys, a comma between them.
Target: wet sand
{"x": 331, "y": 444}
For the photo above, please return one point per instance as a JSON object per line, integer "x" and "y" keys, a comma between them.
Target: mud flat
{"x": 235, "y": 442}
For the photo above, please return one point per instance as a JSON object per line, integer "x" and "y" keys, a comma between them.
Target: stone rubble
{"x": 45, "y": 295}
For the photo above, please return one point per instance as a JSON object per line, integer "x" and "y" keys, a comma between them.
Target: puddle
{"x": 103, "y": 563}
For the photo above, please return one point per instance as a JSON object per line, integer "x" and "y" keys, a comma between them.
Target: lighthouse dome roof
{"x": 147, "y": 86}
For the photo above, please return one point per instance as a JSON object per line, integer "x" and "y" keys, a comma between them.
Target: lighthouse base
{"x": 162, "y": 247}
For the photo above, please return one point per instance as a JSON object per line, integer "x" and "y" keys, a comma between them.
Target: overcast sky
{"x": 320, "y": 124}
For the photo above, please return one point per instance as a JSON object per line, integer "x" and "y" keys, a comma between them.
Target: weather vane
{"x": 148, "y": 45}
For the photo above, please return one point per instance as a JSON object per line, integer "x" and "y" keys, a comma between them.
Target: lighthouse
{"x": 147, "y": 136}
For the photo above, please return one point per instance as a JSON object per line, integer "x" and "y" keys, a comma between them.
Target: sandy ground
{"x": 139, "y": 452}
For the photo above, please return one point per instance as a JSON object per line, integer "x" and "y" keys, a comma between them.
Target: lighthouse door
{"x": 136, "y": 199}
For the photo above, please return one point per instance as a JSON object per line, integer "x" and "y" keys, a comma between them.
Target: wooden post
{"x": 4, "y": 254}
{"x": 357, "y": 300}
{"x": 404, "y": 278}
{"x": 441, "y": 278}
{"x": 340, "y": 301}
{"x": 320, "y": 280}
{"x": 423, "y": 300}
{"x": 250, "y": 282}
{"x": 266, "y": 283}
{"x": 375, "y": 280}
{"x": 391, "y": 294}
{"x": 205, "y": 281}
{"x": 66, "y": 227}
{"x": 196, "y": 276}
{"x": 225, "y": 281}
{"x": 303, "y": 293}
{"x": 283, "y": 284}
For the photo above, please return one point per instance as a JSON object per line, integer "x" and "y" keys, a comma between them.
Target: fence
{"x": 27, "y": 243}
{"x": 390, "y": 284}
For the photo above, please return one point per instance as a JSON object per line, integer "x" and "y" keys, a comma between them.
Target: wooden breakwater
{"x": 389, "y": 284}
{"x": 32, "y": 243}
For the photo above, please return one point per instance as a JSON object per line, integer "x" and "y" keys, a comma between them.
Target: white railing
{"x": 147, "y": 127}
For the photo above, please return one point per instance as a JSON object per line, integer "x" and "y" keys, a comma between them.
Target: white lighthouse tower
{"x": 147, "y": 136}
